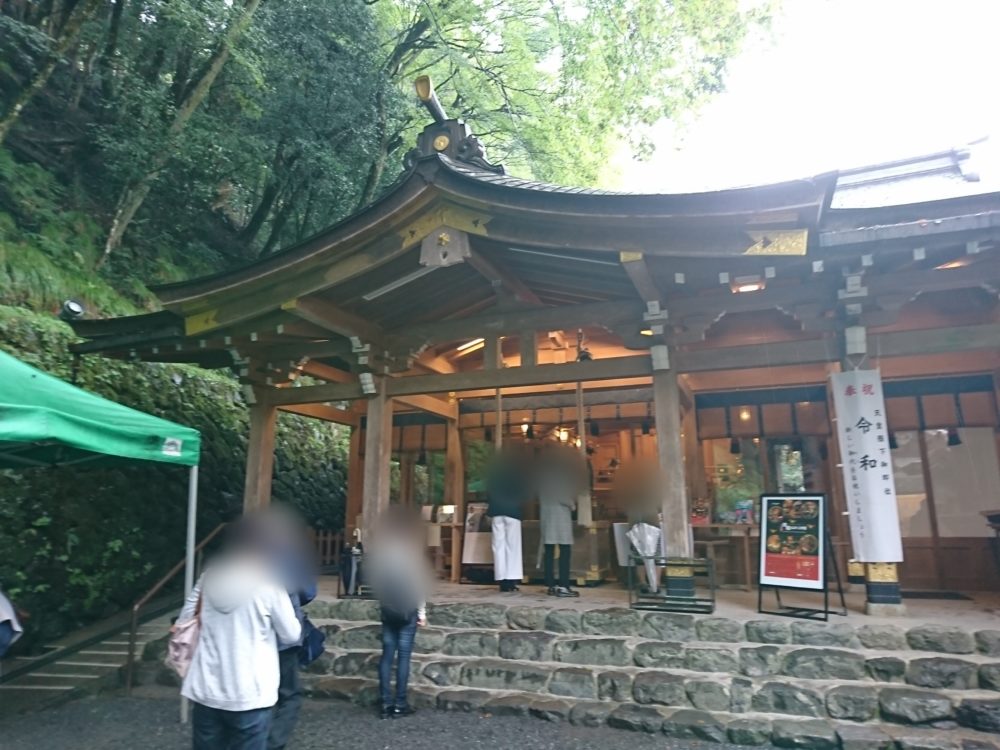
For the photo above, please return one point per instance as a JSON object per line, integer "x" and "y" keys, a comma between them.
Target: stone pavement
{"x": 150, "y": 721}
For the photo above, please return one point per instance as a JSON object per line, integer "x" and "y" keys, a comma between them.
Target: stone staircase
{"x": 790, "y": 683}
{"x": 96, "y": 667}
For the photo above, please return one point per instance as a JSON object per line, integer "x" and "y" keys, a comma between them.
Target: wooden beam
{"x": 327, "y": 373}
{"x": 638, "y": 272}
{"x": 454, "y": 493}
{"x": 260, "y": 456}
{"x": 378, "y": 454}
{"x": 528, "y": 343}
{"x": 670, "y": 451}
{"x": 500, "y": 277}
{"x": 430, "y": 404}
{"x": 513, "y": 322}
{"x": 758, "y": 355}
{"x": 331, "y": 318}
{"x": 321, "y": 411}
{"x": 934, "y": 341}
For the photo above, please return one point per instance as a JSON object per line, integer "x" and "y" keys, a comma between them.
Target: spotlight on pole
{"x": 72, "y": 310}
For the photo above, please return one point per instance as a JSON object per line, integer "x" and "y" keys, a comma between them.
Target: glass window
{"x": 735, "y": 473}
{"x": 787, "y": 469}
{"x": 911, "y": 494}
{"x": 965, "y": 478}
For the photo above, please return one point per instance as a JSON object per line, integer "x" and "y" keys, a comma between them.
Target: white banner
{"x": 863, "y": 435}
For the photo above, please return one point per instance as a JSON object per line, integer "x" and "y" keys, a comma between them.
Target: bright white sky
{"x": 839, "y": 83}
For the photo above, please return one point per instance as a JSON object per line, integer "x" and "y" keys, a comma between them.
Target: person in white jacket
{"x": 233, "y": 679}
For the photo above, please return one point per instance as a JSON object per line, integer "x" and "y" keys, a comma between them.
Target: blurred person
{"x": 10, "y": 625}
{"x": 285, "y": 544}
{"x": 398, "y": 575}
{"x": 244, "y": 611}
{"x": 507, "y": 489}
{"x": 559, "y": 481}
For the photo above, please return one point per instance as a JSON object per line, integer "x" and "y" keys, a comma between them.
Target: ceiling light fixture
{"x": 745, "y": 284}
{"x": 959, "y": 263}
{"x": 471, "y": 345}
{"x": 646, "y": 332}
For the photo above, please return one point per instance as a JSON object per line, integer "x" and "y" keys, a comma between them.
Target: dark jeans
{"x": 215, "y": 729}
{"x": 565, "y": 552}
{"x": 6, "y": 636}
{"x": 396, "y": 638}
{"x": 286, "y": 710}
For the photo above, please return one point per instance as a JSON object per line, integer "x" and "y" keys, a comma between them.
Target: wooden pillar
{"x": 667, "y": 412}
{"x": 378, "y": 454}
{"x": 355, "y": 482}
{"x": 529, "y": 349}
{"x": 260, "y": 456}
{"x": 407, "y": 464}
{"x": 694, "y": 458}
{"x": 454, "y": 493}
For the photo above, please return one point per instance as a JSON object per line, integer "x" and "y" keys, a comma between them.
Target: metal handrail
{"x": 137, "y": 607}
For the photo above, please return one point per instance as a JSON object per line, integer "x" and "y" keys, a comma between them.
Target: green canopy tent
{"x": 45, "y": 421}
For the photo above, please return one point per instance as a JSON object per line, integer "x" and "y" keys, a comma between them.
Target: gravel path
{"x": 151, "y": 723}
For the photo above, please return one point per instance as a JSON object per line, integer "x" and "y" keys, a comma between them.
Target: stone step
{"x": 619, "y": 621}
{"x": 721, "y": 692}
{"x": 747, "y": 659}
{"x": 751, "y": 728}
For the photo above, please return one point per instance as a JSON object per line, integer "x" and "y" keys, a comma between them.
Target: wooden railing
{"x": 137, "y": 607}
{"x": 329, "y": 545}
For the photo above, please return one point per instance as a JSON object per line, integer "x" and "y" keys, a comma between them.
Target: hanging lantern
{"x": 893, "y": 443}
{"x": 734, "y": 447}
{"x": 422, "y": 456}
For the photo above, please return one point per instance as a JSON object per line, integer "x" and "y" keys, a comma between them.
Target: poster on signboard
{"x": 477, "y": 548}
{"x": 792, "y": 541}
{"x": 869, "y": 484}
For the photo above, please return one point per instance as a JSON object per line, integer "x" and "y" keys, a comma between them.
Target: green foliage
{"x": 82, "y": 543}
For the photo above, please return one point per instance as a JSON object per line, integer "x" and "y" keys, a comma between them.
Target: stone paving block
{"x": 471, "y": 643}
{"x": 661, "y": 654}
{"x": 694, "y": 725}
{"x": 526, "y": 646}
{"x": 660, "y": 688}
{"x": 886, "y": 669}
{"x": 574, "y": 682}
{"x": 612, "y": 621}
{"x": 668, "y": 626}
{"x": 824, "y": 664}
{"x": 749, "y": 731}
{"x": 320, "y": 609}
{"x": 926, "y": 742}
{"x": 610, "y": 652}
{"x": 814, "y": 735}
{"x": 550, "y": 709}
{"x": 360, "y": 638}
{"x": 508, "y": 705}
{"x": 368, "y": 695}
{"x": 463, "y": 700}
{"x": 526, "y": 618}
{"x": 939, "y": 672}
{"x": 988, "y": 642}
{"x": 330, "y": 630}
{"x": 820, "y": 634}
{"x": 768, "y": 631}
{"x": 323, "y": 664}
{"x": 983, "y": 715}
{"x": 712, "y": 659}
{"x": 719, "y": 629}
{"x": 614, "y": 686}
{"x": 852, "y": 702}
{"x": 944, "y": 639}
{"x": 338, "y": 688}
{"x": 428, "y": 641}
{"x": 913, "y": 706}
{"x": 760, "y": 661}
{"x": 353, "y": 609}
{"x": 590, "y": 714}
{"x": 636, "y": 718}
{"x": 741, "y": 693}
{"x": 989, "y": 676}
{"x": 708, "y": 695}
{"x": 781, "y": 698}
{"x": 974, "y": 744}
{"x": 882, "y": 637}
{"x": 477, "y": 615}
{"x": 443, "y": 673}
{"x": 496, "y": 674}
{"x": 356, "y": 664}
{"x": 861, "y": 737}
{"x": 564, "y": 621}
{"x": 423, "y": 697}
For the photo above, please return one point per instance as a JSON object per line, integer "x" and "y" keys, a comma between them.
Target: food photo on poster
{"x": 792, "y": 541}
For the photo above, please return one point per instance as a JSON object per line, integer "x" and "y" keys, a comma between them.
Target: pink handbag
{"x": 183, "y": 642}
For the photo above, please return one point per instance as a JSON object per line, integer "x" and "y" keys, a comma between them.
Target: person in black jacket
{"x": 507, "y": 489}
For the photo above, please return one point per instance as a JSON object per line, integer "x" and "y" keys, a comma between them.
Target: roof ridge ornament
{"x": 451, "y": 138}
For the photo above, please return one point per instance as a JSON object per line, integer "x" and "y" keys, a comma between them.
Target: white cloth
{"x": 507, "y": 562}
{"x": 244, "y": 613}
{"x": 8, "y": 614}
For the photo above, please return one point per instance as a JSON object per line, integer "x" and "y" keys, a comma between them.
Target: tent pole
{"x": 192, "y": 532}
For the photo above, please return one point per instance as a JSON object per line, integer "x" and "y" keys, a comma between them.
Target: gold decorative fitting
{"x": 441, "y": 142}
{"x": 882, "y": 572}
{"x": 855, "y": 569}
{"x": 443, "y": 239}
{"x": 778, "y": 242}
{"x": 679, "y": 572}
